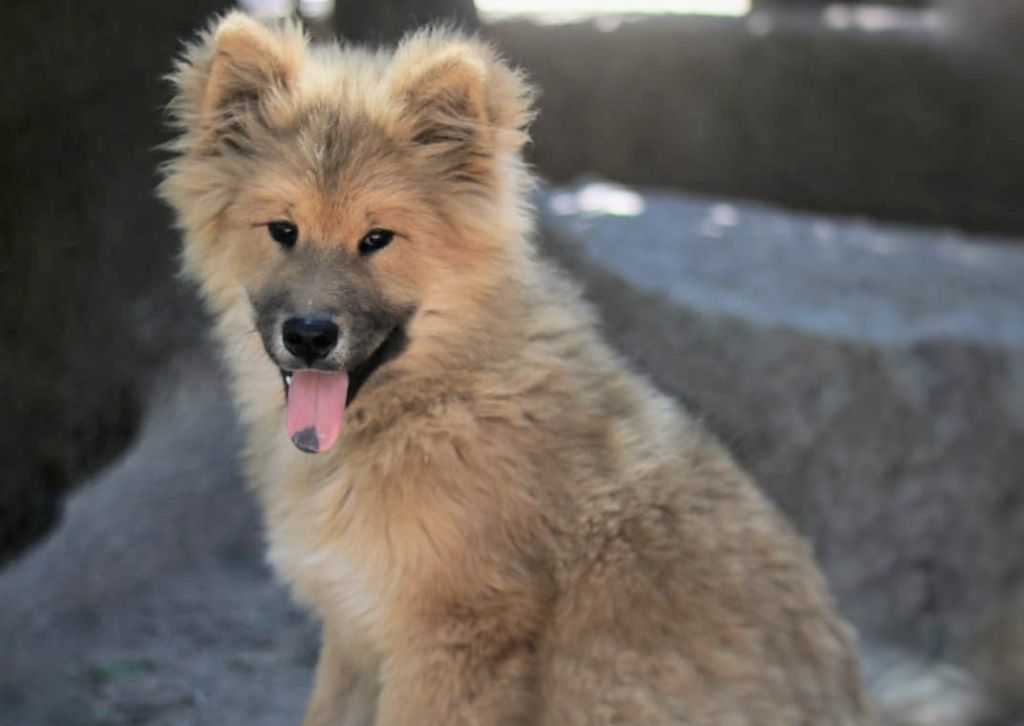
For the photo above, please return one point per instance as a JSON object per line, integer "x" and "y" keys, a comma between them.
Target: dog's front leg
{"x": 471, "y": 684}
{"x": 341, "y": 695}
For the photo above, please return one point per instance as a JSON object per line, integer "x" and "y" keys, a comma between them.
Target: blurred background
{"x": 803, "y": 218}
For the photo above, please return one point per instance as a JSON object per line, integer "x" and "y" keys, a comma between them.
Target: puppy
{"x": 495, "y": 519}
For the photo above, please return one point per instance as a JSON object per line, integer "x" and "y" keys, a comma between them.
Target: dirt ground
{"x": 150, "y": 604}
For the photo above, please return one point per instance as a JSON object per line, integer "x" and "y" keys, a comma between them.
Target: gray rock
{"x": 871, "y": 376}
{"x": 150, "y": 603}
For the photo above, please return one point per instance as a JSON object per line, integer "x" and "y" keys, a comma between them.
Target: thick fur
{"x": 513, "y": 528}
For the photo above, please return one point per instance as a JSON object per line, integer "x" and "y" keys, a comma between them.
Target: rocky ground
{"x": 872, "y": 377}
{"x": 150, "y": 603}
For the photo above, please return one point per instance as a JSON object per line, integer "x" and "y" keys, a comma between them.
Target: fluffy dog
{"x": 496, "y": 520}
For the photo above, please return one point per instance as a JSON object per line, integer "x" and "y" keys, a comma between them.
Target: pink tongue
{"x": 316, "y": 409}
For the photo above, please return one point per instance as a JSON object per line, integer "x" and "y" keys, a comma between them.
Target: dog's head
{"x": 352, "y": 202}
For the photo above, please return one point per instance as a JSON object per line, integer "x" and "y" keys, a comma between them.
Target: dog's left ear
{"x": 459, "y": 102}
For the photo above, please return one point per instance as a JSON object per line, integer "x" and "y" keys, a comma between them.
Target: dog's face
{"x": 347, "y": 198}
{"x": 334, "y": 263}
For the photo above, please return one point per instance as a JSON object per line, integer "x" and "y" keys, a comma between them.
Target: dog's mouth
{"x": 316, "y": 399}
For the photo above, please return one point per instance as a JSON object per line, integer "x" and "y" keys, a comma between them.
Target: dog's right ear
{"x": 229, "y": 79}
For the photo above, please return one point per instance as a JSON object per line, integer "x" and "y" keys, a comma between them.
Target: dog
{"x": 495, "y": 519}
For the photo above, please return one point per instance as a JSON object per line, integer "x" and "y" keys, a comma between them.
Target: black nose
{"x": 310, "y": 339}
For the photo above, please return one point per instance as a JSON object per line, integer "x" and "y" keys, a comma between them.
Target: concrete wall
{"x": 907, "y": 126}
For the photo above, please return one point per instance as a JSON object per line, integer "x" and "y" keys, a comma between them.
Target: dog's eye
{"x": 374, "y": 240}
{"x": 284, "y": 233}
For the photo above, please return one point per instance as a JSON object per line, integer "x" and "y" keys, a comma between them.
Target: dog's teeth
{"x": 288, "y": 378}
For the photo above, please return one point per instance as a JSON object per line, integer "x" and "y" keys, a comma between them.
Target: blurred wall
{"x": 991, "y": 26}
{"x": 384, "y": 22}
{"x": 907, "y": 126}
{"x": 87, "y": 300}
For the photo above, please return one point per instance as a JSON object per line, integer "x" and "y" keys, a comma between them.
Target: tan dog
{"x": 501, "y": 524}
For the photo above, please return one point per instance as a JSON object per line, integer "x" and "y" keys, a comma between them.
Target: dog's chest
{"x": 328, "y": 559}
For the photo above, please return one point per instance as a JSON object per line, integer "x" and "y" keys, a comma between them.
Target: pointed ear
{"x": 226, "y": 79}
{"x": 460, "y": 102}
